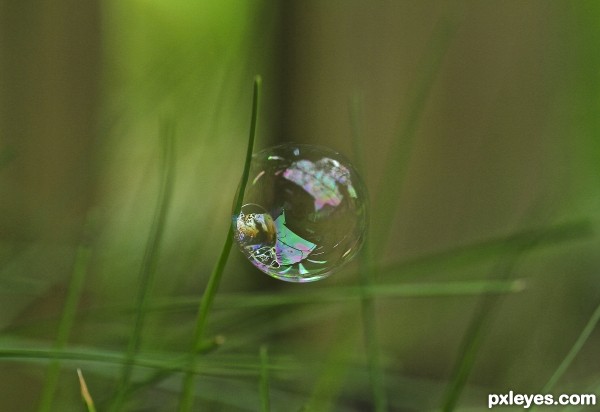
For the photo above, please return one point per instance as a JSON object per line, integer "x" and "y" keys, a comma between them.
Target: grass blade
{"x": 334, "y": 370}
{"x": 66, "y": 321}
{"x": 160, "y": 375}
{"x": 493, "y": 248}
{"x": 367, "y": 270}
{"x": 351, "y": 294}
{"x": 398, "y": 157}
{"x": 472, "y": 341}
{"x": 395, "y": 165}
{"x": 85, "y": 393}
{"x": 187, "y": 393}
{"x": 148, "y": 268}
{"x": 449, "y": 259}
{"x": 265, "y": 403}
{"x": 481, "y": 322}
{"x": 564, "y": 365}
{"x": 225, "y": 365}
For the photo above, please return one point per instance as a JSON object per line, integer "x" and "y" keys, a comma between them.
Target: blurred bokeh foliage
{"x": 476, "y": 126}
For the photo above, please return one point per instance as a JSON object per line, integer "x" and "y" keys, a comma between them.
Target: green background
{"x": 476, "y": 126}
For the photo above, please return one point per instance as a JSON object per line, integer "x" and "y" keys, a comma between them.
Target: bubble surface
{"x": 304, "y": 212}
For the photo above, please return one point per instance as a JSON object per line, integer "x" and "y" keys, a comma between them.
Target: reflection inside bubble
{"x": 304, "y": 213}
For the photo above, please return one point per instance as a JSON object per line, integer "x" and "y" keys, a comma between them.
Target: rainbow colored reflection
{"x": 305, "y": 216}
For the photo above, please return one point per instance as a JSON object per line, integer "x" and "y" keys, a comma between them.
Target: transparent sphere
{"x": 304, "y": 212}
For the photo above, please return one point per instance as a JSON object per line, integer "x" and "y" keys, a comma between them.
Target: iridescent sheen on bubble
{"x": 304, "y": 212}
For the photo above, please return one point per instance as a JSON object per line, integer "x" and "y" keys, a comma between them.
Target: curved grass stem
{"x": 206, "y": 303}
{"x": 66, "y": 323}
{"x": 150, "y": 260}
{"x": 368, "y": 271}
{"x": 583, "y": 337}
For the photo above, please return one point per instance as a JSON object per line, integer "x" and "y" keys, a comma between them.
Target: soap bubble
{"x": 304, "y": 213}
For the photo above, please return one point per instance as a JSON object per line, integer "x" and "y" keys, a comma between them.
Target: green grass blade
{"x": 568, "y": 360}
{"x": 265, "y": 403}
{"x": 480, "y": 324}
{"x": 352, "y": 294}
{"x": 399, "y": 153}
{"x": 368, "y": 270}
{"x": 187, "y": 393}
{"x": 395, "y": 165}
{"x": 226, "y": 365}
{"x": 564, "y": 365}
{"x": 376, "y": 373}
{"x": 160, "y": 375}
{"x": 335, "y": 368}
{"x": 449, "y": 259}
{"x": 85, "y": 393}
{"x": 499, "y": 247}
{"x": 300, "y": 307}
{"x": 67, "y": 320}
{"x": 148, "y": 268}
{"x": 472, "y": 342}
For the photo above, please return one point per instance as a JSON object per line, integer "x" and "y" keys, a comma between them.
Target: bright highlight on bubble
{"x": 304, "y": 212}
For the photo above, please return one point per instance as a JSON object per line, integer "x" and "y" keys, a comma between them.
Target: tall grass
{"x": 85, "y": 393}
{"x": 67, "y": 318}
{"x": 187, "y": 394}
{"x": 150, "y": 260}
{"x": 247, "y": 343}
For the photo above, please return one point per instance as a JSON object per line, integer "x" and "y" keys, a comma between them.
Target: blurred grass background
{"x": 478, "y": 136}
